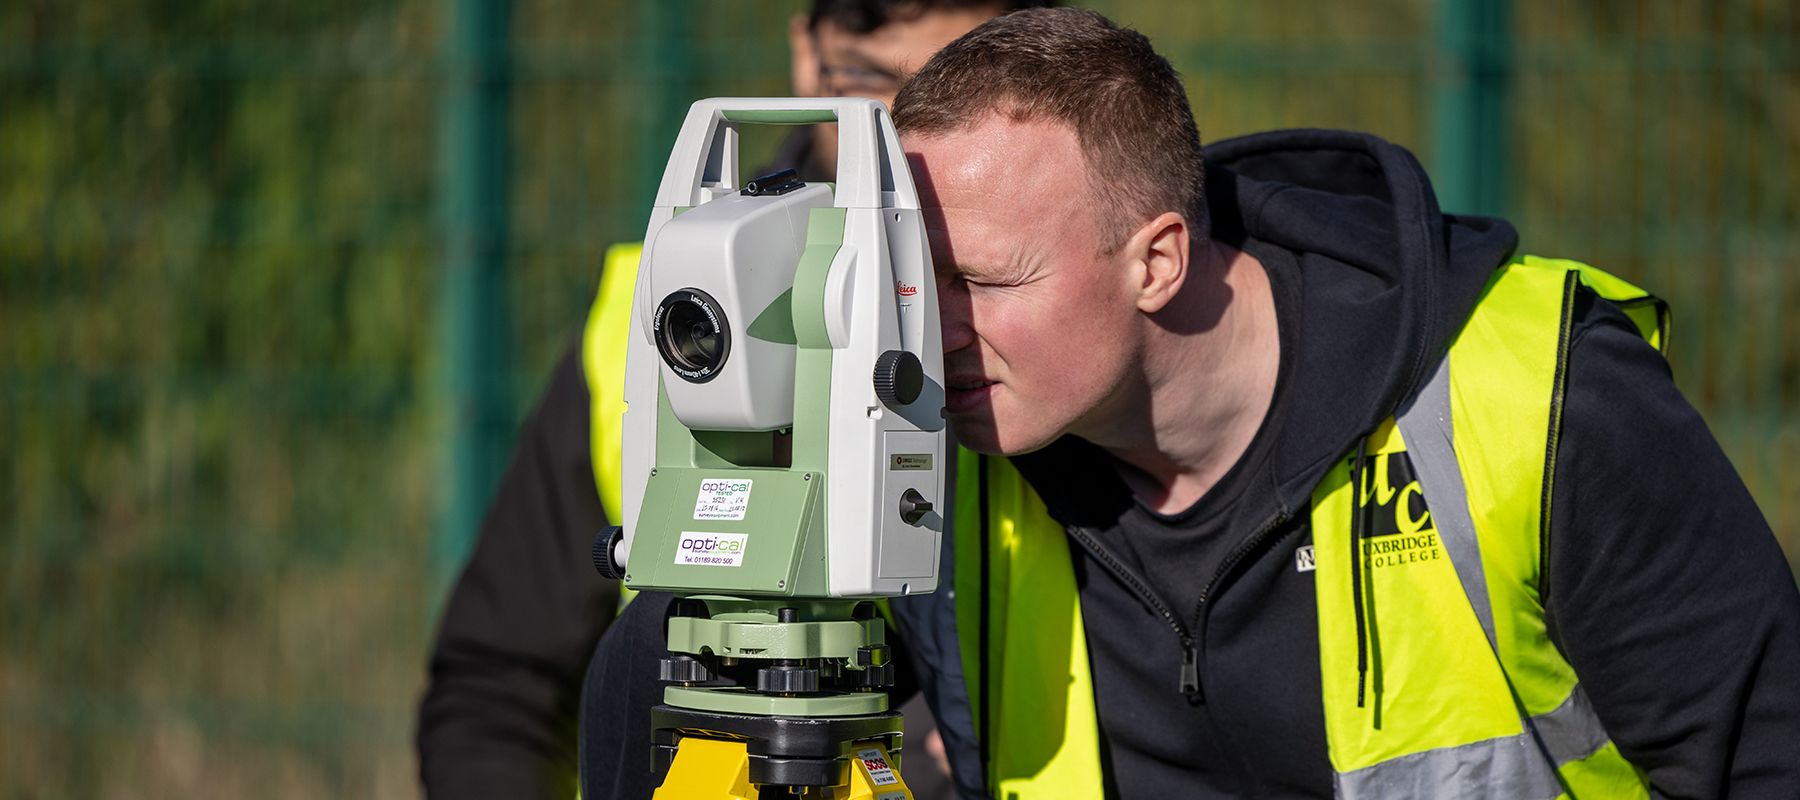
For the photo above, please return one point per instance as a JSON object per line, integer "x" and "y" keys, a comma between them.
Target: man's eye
{"x": 851, "y": 79}
{"x": 964, "y": 281}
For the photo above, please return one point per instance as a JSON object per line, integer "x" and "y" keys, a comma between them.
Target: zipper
{"x": 1190, "y": 649}
{"x": 1237, "y": 555}
{"x": 1559, "y": 386}
{"x": 1189, "y": 683}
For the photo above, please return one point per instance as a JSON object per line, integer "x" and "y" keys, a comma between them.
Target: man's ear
{"x": 1159, "y": 252}
{"x": 803, "y": 56}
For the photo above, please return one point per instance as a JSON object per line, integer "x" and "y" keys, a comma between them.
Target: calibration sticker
{"x": 722, "y": 498}
{"x": 711, "y": 549}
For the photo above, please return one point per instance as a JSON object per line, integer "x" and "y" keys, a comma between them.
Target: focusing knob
{"x": 899, "y": 377}
{"x": 605, "y": 549}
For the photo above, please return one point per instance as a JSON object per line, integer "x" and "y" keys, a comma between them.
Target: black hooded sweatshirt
{"x": 1666, "y": 590}
{"x": 1664, "y": 587}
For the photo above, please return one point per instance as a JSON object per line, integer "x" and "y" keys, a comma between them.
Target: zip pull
{"x": 1190, "y": 672}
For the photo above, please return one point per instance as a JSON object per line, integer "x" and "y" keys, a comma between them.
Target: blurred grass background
{"x": 229, "y": 372}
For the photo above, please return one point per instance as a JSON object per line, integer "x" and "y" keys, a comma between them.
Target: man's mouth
{"x": 968, "y": 394}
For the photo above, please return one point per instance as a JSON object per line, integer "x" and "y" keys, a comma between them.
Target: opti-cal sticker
{"x": 711, "y": 549}
{"x": 722, "y": 498}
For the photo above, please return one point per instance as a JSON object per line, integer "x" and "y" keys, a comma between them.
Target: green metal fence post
{"x": 666, "y": 59}
{"x": 1471, "y": 75}
{"x": 472, "y": 198}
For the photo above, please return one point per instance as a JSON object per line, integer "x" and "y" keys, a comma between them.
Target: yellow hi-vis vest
{"x": 1468, "y": 698}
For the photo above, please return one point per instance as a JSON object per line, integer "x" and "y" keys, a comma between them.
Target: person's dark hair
{"x": 863, "y": 16}
{"x": 1124, "y": 102}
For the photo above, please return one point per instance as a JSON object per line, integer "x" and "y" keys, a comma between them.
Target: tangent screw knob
{"x": 606, "y": 552}
{"x": 899, "y": 377}
{"x": 913, "y": 506}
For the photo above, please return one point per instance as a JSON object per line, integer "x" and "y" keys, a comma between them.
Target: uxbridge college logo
{"x": 1401, "y": 531}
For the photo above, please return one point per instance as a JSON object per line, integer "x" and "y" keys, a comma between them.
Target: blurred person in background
{"x": 1280, "y": 482}
{"x": 499, "y": 715}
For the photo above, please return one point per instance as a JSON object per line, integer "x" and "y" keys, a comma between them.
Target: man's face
{"x": 1041, "y": 330}
{"x": 830, "y": 61}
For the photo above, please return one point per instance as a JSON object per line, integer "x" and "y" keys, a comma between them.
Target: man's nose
{"x": 953, "y": 316}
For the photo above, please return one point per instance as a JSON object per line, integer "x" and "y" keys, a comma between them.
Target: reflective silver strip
{"x": 1507, "y": 768}
{"x": 1510, "y": 767}
{"x": 1571, "y": 732}
{"x": 1424, "y": 423}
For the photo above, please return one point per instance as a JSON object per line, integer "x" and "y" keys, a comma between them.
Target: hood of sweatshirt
{"x": 1384, "y": 279}
{"x": 1373, "y": 283}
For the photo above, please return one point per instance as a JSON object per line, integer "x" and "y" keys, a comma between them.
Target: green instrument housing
{"x": 784, "y": 549}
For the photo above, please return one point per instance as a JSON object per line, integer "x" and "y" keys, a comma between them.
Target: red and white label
{"x": 877, "y": 764}
{"x": 904, "y": 290}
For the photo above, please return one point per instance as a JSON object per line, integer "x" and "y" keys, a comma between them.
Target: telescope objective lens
{"x": 692, "y": 335}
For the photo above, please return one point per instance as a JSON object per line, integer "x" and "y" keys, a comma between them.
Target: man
{"x": 1290, "y": 485}
{"x": 498, "y": 718}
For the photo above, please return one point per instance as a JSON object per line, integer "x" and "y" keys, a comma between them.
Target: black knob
{"x": 683, "y": 669}
{"x": 874, "y": 655}
{"x": 899, "y": 377}
{"x": 913, "y": 506}
{"x": 606, "y": 550}
{"x": 869, "y": 678}
{"x": 783, "y": 679}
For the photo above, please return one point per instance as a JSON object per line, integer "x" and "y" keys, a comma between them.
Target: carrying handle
{"x": 870, "y": 161}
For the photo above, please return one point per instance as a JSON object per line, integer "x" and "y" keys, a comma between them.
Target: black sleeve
{"x": 499, "y": 716}
{"x": 1667, "y": 590}
{"x": 616, "y": 752}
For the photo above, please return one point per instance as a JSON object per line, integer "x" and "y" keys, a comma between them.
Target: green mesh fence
{"x": 227, "y": 413}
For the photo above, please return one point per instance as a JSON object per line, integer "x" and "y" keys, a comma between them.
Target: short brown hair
{"x": 1124, "y": 102}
